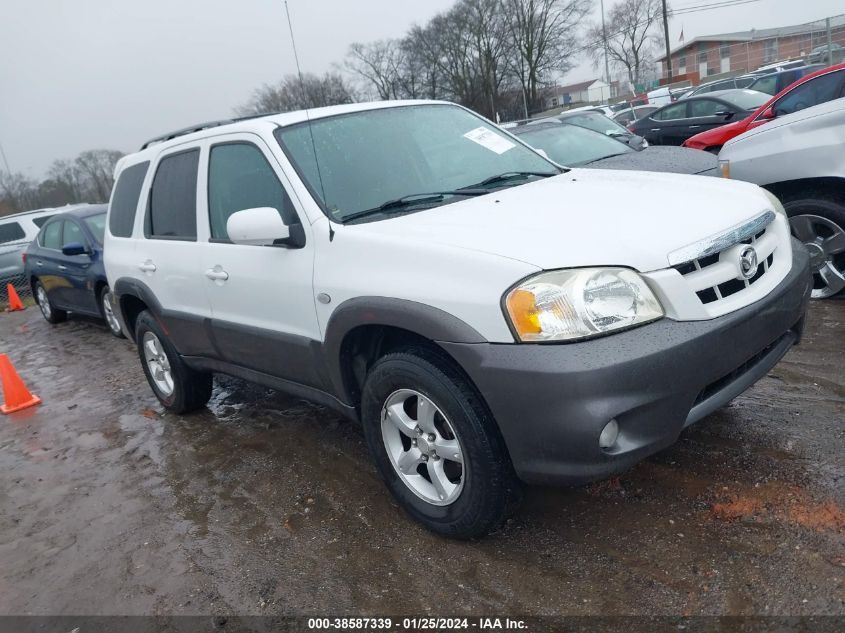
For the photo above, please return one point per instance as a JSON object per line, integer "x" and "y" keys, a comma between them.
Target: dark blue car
{"x": 64, "y": 265}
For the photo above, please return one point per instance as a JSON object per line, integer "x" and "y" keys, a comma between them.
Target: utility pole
{"x": 666, "y": 37}
{"x": 829, "y": 43}
{"x": 604, "y": 37}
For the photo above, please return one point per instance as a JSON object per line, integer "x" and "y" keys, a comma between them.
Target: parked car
{"x": 731, "y": 83}
{"x": 16, "y": 232}
{"x": 799, "y": 158}
{"x": 818, "y": 87}
{"x": 629, "y": 115}
{"x": 600, "y": 123}
{"x": 575, "y": 146}
{"x": 64, "y": 267}
{"x": 663, "y": 95}
{"x": 821, "y": 54}
{"x": 778, "y": 66}
{"x": 773, "y": 83}
{"x": 488, "y": 316}
{"x": 675, "y": 123}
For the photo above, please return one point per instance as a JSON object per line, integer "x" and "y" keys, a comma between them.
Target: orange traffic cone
{"x": 15, "y": 393}
{"x": 15, "y": 302}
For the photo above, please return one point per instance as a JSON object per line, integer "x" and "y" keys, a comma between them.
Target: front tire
{"x": 48, "y": 310}
{"x": 436, "y": 446}
{"x": 820, "y": 225}
{"x": 179, "y": 388}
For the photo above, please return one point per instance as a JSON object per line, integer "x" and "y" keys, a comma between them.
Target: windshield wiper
{"x": 512, "y": 175}
{"x": 412, "y": 200}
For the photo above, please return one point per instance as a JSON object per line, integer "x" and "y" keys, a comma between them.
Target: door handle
{"x": 655, "y": 129}
{"x": 217, "y": 274}
{"x": 147, "y": 267}
{"x": 39, "y": 263}
{"x": 692, "y": 127}
{"x": 62, "y": 267}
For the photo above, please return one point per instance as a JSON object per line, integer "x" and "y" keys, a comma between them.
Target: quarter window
{"x": 39, "y": 222}
{"x": 124, "y": 202}
{"x": 11, "y": 232}
{"x": 51, "y": 235}
{"x": 239, "y": 177}
{"x": 172, "y": 211}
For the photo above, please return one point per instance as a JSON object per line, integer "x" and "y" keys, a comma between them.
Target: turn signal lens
{"x": 566, "y": 305}
{"x": 725, "y": 168}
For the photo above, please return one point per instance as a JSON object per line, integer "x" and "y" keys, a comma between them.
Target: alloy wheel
{"x": 108, "y": 311}
{"x": 43, "y": 302}
{"x": 825, "y": 241}
{"x": 158, "y": 364}
{"x": 423, "y": 447}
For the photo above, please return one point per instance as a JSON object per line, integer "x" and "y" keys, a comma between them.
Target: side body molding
{"x": 431, "y": 323}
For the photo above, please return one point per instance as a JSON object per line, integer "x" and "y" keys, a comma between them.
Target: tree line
{"x": 497, "y": 57}
{"x": 87, "y": 178}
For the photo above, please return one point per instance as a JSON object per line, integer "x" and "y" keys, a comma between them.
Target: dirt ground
{"x": 263, "y": 504}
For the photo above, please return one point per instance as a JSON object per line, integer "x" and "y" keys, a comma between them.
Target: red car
{"x": 821, "y": 86}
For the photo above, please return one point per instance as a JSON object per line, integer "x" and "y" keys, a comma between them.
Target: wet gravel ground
{"x": 264, "y": 504}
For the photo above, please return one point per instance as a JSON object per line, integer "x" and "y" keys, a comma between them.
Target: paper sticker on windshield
{"x": 489, "y": 139}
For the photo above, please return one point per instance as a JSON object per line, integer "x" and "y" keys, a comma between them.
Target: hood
{"x": 585, "y": 217}
{"x": 672, "y": 160}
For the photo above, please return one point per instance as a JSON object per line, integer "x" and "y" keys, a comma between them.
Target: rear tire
{"x": 48, "y": 310}
{"x": 820, "y": 225}
{"x": 179, "y": 388}
{"x": 476, "y": 491}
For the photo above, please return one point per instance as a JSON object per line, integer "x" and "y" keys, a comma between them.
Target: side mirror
{"x": 263, "y": 226}
{"x": 726, "y": 114}
{"x": 637, "y": 142}
{"x": 74, "y": 248}
{"x": 768, "y": 114}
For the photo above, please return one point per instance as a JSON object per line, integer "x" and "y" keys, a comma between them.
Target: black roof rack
{"x": 202, "y": 126}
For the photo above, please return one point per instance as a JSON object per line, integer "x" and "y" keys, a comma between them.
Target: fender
{"x": 419, "y": 318}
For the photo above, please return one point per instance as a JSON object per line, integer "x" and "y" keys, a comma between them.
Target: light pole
{"x": 604, "y": 38}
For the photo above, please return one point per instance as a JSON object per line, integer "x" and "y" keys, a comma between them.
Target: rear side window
{"x": 51, "y": 235}
{"x": 124, "y": 202}
{"x": 39, "y": 222}
{"x": 72, "y": 234}
{"x": 172, "y": 211}
{"x": 11, "y": 232}
{"x": 239, "y": 177}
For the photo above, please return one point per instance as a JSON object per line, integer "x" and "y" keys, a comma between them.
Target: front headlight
{"x": 564, "y": 305}
{"x": 777, "y": 207}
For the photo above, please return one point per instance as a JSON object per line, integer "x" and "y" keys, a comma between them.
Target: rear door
{"x": 262, "y": 299}
{"x": 168, "y": 256}
{"x": 45, "y": 264}
{"x": 671, "y": 124}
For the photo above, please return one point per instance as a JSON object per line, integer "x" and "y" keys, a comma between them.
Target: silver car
{"x": 799, "y": 158}
{"x": 16, "y": 232}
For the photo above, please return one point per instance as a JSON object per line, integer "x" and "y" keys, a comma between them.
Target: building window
{"x": 682, "y": 64}
{"x": 725, "y": 50}
{"x": 770, "y": 53}
{"x": 702, "y": 57}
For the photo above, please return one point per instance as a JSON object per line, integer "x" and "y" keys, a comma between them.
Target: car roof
{"x": 26, "y": 214}
{"x": 80, "y": 210}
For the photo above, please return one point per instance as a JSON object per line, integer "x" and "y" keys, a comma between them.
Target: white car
{"x": 799, "y": 158}
{"x": 488, "y": 316}
{"x": 16, "y": 232}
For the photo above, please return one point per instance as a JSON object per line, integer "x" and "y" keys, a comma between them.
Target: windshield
{"x": 572, "y": 145}
{"x": 369, "y": 158}
{"x": 596, "y": 122}
{"x": 746, "y": 99}
{"x": 97, "y": 226}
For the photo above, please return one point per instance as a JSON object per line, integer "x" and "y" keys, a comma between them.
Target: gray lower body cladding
{"x": 551, "y": 402}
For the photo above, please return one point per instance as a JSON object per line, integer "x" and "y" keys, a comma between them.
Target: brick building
{"x": 743, "y": 51}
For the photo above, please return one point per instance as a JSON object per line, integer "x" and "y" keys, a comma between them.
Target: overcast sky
{"x": 90, "y": 74}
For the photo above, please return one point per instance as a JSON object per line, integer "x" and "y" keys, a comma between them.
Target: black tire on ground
{"x": 834, "y": 213}
{"x": 115, "y": 331}
{"x": 490, "y": 488}
{"x": 48, "y": 310}
{"x": 191, "y": 389}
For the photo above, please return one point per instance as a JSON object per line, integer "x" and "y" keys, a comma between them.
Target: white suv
{"x": 488, "y": 316}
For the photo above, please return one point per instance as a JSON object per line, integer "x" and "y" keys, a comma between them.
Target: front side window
{"x": 172, "y": 211}
{"x": 767, "y": 84}
{"x": 124, "y": 202}
{"x": 72, "y": 234}
{"x": 813, "y": 92}
{"x": 11, "y": 232}
{"x": 239, "y": 177}
{"x": 704, "y": 107}
{"x": 355, "y": 163}
{"x": 672, "y": 112}
{"x": 51, "y": 235}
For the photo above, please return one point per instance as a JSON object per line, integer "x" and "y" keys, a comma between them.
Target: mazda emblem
{"x": 748, "y": 262}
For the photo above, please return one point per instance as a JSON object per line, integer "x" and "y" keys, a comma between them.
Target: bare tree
{"x": 17, "y": 192}
{"x": 291, "y": 94}
{"x": 378, "y": 64}
{"x": 96, "y": 166}
{"x": 544, "y": 40}
{"x": 631, "y": 36}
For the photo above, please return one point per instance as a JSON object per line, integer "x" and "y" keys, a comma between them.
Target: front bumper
{"x": 552, "y": 401}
